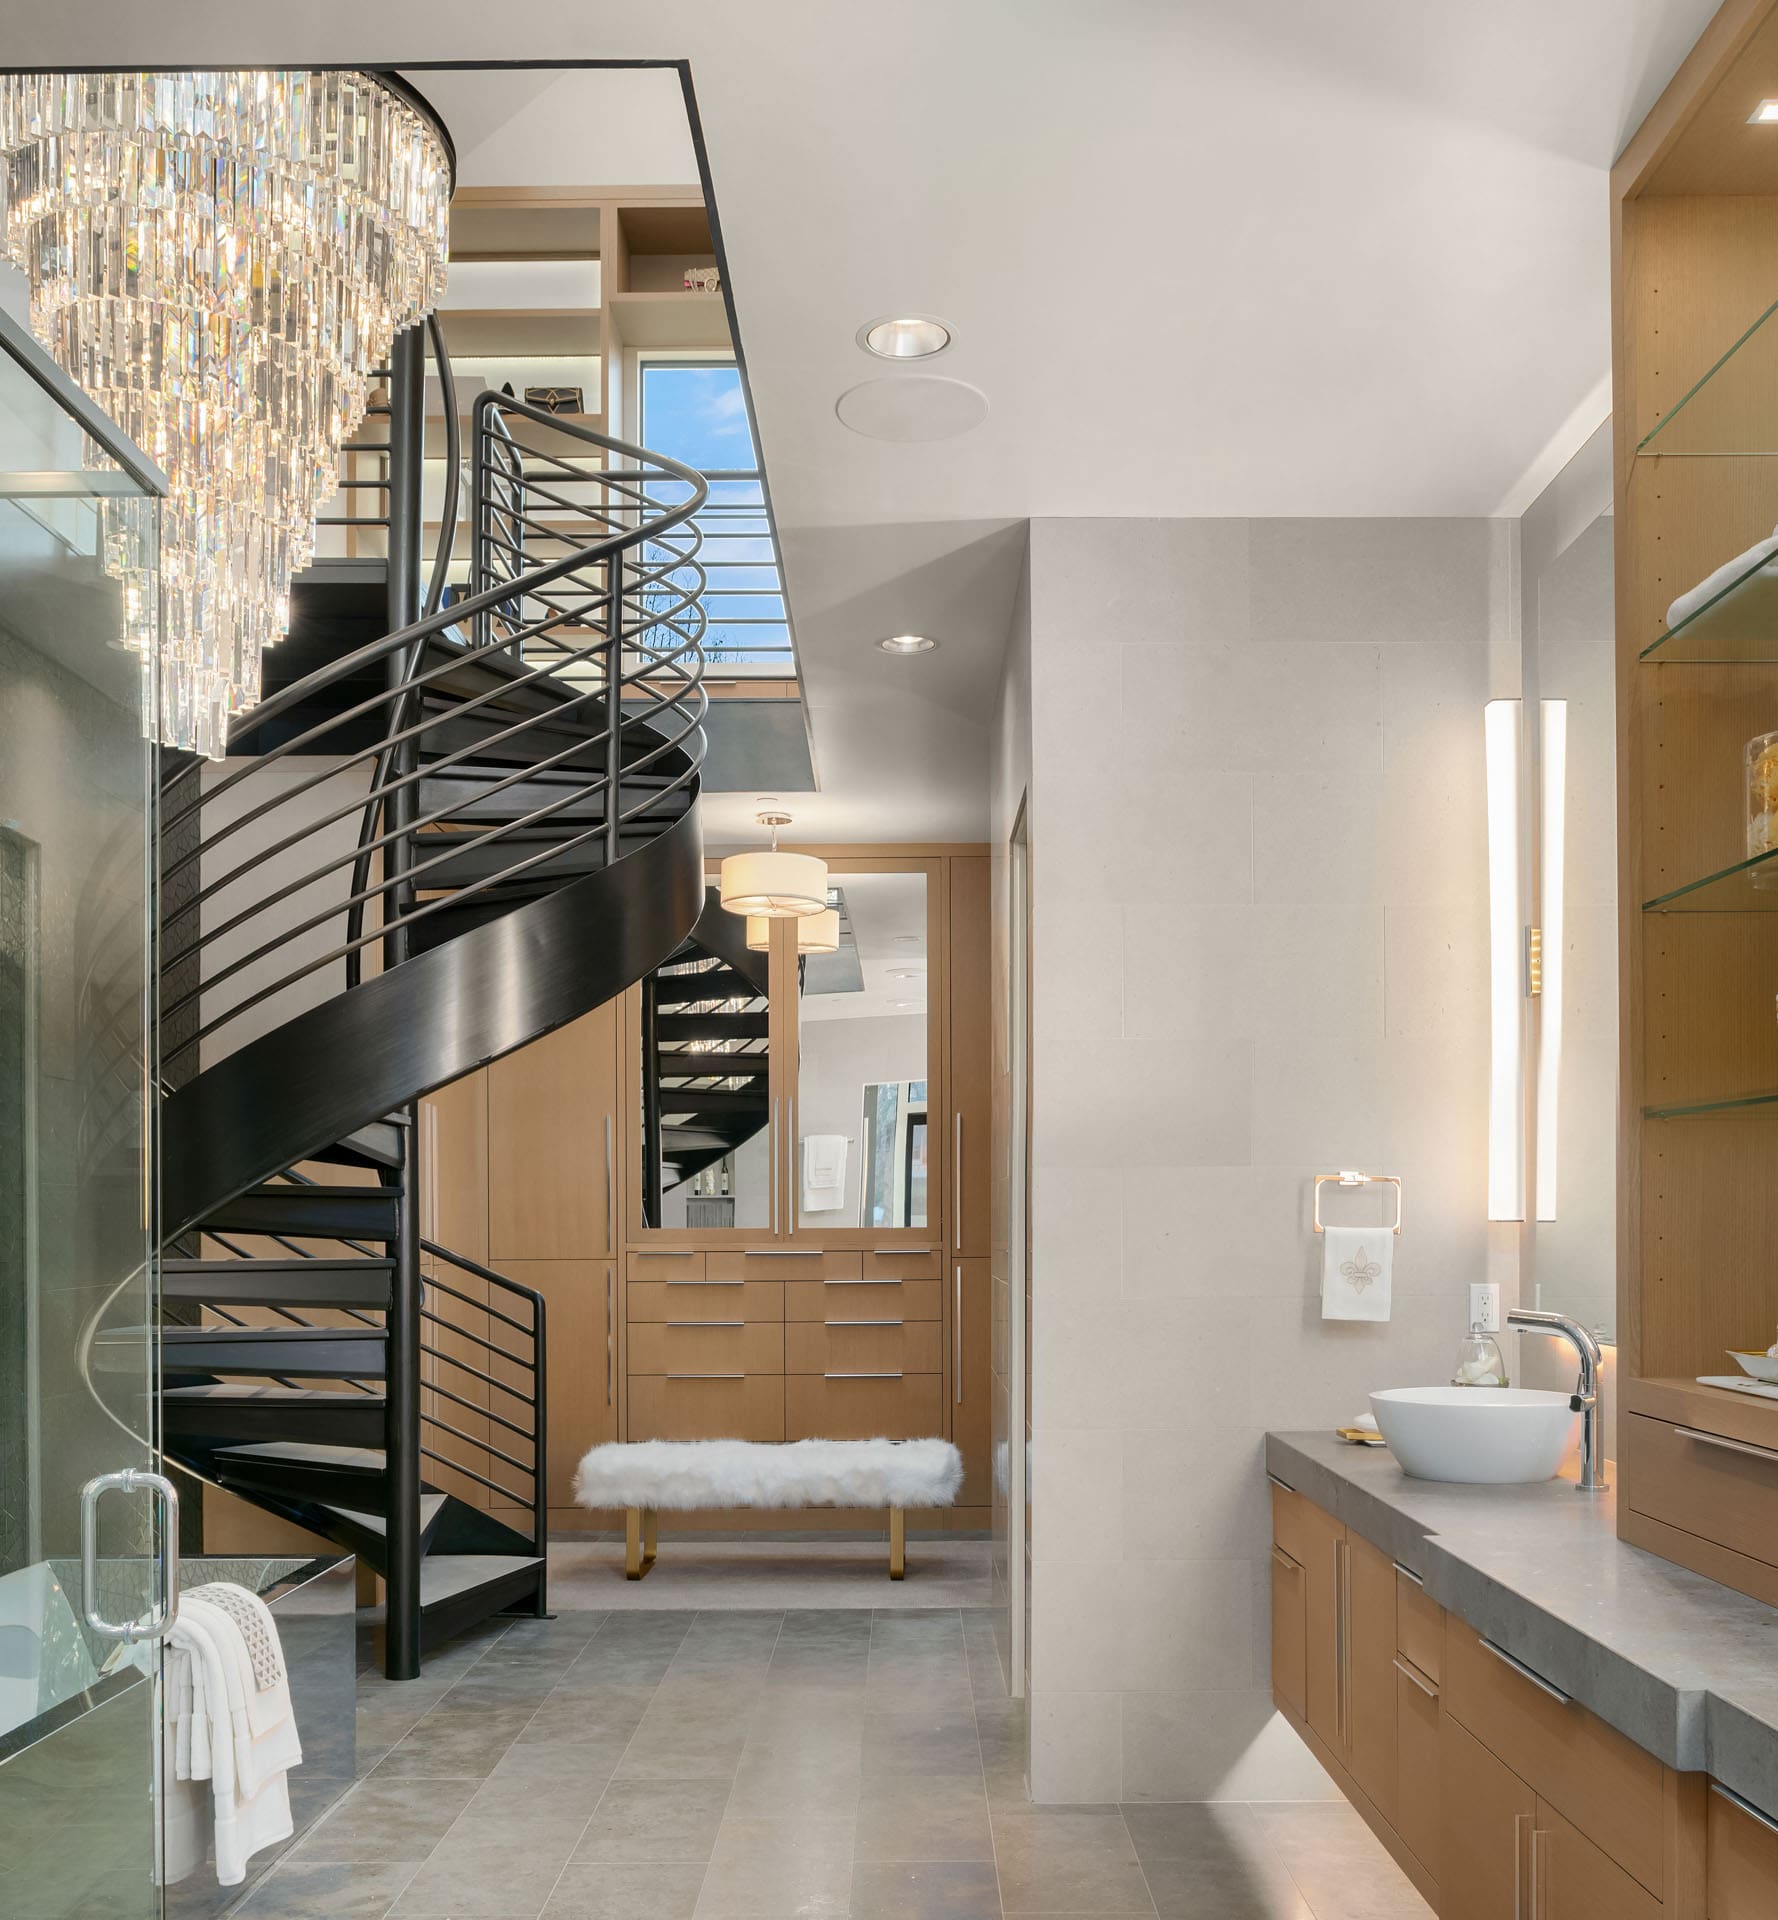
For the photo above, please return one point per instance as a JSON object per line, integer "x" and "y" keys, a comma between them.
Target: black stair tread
{"x": 712, "y": 1100}
{"x": 307, "y": 1453}
{"x": 446, "y": 1576}
{"x": 294, "y": 1264}
{"x": 378, "y": 1145}
{"x": 282, "y": 1336}
{"x": 312, "y": 1212}
{"x": 684, "y": 989}
{"x": 226, "y": 1394}
{"x": 714, "y": 1026}
{"x": 431, "y": 1504}
{"x": 319, "y": 1282}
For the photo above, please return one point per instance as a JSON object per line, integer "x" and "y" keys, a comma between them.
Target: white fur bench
{"x": 650, "y": 1477}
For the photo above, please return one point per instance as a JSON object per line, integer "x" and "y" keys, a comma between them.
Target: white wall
{"x": 1260, "y": 953}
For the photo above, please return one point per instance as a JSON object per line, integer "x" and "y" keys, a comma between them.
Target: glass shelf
{"x": 1749, "y": 886}
{"x": 1704, "y": 1109}
{"x": 1736, "y": 626}
{"x": 1732, "y": 409}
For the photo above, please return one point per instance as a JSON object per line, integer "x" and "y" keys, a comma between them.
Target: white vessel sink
{"x": 1492, "y": 1435}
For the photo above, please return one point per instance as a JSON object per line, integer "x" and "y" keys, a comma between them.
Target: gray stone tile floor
{"x": 798, "y": 1764}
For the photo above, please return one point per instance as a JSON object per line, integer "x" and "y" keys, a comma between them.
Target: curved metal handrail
{"x": 584, "y": 679}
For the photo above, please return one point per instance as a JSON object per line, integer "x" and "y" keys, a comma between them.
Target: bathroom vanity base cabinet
{"x": 1743, "y": 1856}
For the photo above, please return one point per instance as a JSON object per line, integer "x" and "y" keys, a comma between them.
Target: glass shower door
{"x": 87, "y": 1530}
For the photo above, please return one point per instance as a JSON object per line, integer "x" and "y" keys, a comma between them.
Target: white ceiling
{"x": 1235, "y": 257}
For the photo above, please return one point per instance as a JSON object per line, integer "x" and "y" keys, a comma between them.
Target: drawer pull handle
{"x": 1408, "y": 1573}
{"x": 1285, "y": 1560}
{"x": 897, "y": 1253}
{"x": 861, "y": 1323}
{"x": 706, "y": 1376}
{"x": 862, "y": 1376}
{"x": 706, "y": 1323}
{"x": 1728, "y": 1446}
{"x": 1409, "y": 1671}
{"x": 780, "y": 1253}
{"x": 882, "y": 1280}
{"x": 706, "y": 1283}
{"x": 1283, "y": 1486}
{"x": 1529, "y": 1673}
{"x": 1754, "y": 1813}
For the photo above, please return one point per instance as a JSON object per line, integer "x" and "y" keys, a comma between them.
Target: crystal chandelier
{"x": 221, "y": 261}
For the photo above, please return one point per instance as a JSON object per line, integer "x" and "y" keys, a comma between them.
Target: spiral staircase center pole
{"x": 407, "y": 448}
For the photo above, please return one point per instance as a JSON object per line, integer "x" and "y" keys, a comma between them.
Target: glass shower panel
{"x": 77, "y": 1302}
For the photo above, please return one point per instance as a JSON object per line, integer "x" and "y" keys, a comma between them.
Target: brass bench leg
{"x": 641, "y": 1539}
{"x": 898, "y": 1544}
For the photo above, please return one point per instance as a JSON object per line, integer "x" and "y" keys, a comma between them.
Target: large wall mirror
{"x": 703, "y": 1088}
{"x": 864, "y": 1120}
{"x": 1570, "y": 656}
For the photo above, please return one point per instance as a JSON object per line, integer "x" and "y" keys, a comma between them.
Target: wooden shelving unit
{"x": 1695, "y": 273}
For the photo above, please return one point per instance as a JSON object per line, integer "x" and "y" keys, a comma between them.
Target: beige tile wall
{"x": 1260, "y": 953}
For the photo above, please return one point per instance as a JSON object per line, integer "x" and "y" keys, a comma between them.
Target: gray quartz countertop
{"x": 1687, "y": 1668}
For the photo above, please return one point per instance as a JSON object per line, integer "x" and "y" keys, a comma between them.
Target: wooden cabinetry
{"x": 1695, "y": 241}
{"x": 1501, "y": 1798}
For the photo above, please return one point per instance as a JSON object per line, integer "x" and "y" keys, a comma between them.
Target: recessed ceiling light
{"x": 903, "y": 1006}
{"x": 1764, "y": 114}
{"x": 906, "y": 336}
{"x": 907, "y": 643}
{"x": 905, "y": 940}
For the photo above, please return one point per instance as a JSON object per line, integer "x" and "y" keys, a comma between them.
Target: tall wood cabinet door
{"x": 1321, "y": 1547}
{"x": 1484, "y": 1870}
{"x": 971, "y": 1413}
{"x": 1743, "y": 1862}
{"x": 969, "y": 1203}
{"x": 552, "y": 1141}
{"x": 582, "y": 1411}
{"x": 1290, "y": 1631}
{"x": 1572, "y": 1879}
{"x": 1371, "y": 1676}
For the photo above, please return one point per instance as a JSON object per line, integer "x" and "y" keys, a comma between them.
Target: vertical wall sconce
{"x": 1552, "y": 822}
{"x": 1507, "y": 960}
{"x": 1524, "y": 953}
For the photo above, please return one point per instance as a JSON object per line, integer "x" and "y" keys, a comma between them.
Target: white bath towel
{"x": 1722, "y": 579}
{"x": 1357, "y": 1266}
{"x": 824, "y": 1172}
{"x": 229, "y": 1732}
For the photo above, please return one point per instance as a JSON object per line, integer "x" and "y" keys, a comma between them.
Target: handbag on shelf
{"x": 555, "y": 399}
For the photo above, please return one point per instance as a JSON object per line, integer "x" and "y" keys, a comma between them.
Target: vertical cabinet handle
{"x": 1343, "y": 1642}
{"x": 610, "y": 1194}
{"x": 1519, "y": 1820}
{"x": 772, "y": 1173}
{"x": 165, "y": 1605}
{"x": 957, "y": 1338}
{"x": 795, "y": 1182}
{"x": 610, "y": 1335}
{"x": 1536, "y": 1871}
{"x": 957, "y": 1184}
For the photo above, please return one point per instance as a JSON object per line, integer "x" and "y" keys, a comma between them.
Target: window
{"x": 695, "y": 411}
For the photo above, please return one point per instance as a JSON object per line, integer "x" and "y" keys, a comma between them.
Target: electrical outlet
{"x": 1484, "y": 1305}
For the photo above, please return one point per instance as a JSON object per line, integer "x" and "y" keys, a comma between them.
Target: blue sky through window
{"x": 696, "y": 412}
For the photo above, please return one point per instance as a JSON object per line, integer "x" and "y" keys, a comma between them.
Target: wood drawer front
{"x": 1573, "y": 1879}
{"x": 911, "y": 1408}
{"x": 1290, "y": 1632}
{"x": 1297, "y": 1524}
{"x": 751, "y": 1408}
{"x": 912, "y": 1347}
{"x": 1419, "y": 1626}
{"x": 865, "y": 1300}
{"x": 769, "y": 1263}
{"x": 1417, "y": 1805}
{"x": 661, "y": 1300}
{"x": 903, "y": 1263}
{"x": 1743, "y": 1863}
{"x": 703, "y": 1346}
{"x": 1607, "y": 1785}
{"x": 652, "y": 1263}
{"x": 1703, "y": 1484}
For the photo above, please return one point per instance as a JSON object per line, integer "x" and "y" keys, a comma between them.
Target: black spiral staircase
{"x": 456, "y": 828}
{"x": 705, "y": 1060}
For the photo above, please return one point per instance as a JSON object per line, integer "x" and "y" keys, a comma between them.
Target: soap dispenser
{"x": 1480, "y": 1363}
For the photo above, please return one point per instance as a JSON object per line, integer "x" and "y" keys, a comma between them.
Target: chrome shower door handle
{"x": 165, "y": 1605}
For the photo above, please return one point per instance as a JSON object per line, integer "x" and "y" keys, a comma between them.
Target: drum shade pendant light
{"x": 220, "y": 260}
{"x": 819, "y": 933}
{"x": 770, "y": 885}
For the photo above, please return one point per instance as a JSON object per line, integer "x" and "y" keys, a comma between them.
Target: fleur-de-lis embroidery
{"x": 1361, "y": 1270}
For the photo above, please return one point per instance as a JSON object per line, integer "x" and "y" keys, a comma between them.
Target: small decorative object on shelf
{"x": 702, "y": 280}
{"x": 556, "y": 399}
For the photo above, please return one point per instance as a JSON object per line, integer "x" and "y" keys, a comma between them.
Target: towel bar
{"x": 1348, "y": 1179}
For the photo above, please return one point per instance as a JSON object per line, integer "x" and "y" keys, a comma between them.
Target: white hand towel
{"x": 824, "y": 1172}
{"x": 1356, "y": 1272}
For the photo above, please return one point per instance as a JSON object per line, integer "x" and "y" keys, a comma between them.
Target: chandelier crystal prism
{"x": 221, "y": 261}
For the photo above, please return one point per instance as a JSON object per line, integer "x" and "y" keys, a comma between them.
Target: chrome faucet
{"x": 1585, "y": 1397}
